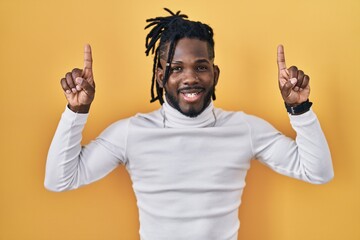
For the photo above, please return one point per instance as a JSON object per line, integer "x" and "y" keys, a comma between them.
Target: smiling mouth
{"x": 191, "y": 90}
{"x": 191, "y": 95}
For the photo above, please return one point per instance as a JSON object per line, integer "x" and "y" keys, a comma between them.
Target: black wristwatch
{"x": 299, "y": 109}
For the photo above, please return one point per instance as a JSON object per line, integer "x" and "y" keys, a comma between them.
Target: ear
{"x": 216, "y": 74}
{"x": 159, "y": 77}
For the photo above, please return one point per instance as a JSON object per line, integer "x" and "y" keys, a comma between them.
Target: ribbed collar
{"x": 175, "y": 119}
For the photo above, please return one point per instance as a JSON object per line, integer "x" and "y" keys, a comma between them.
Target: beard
{"x": 192, "y": 112}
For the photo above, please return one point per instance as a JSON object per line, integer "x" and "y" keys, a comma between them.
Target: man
{"x": 187, "y": 160}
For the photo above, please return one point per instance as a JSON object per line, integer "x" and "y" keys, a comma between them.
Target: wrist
{"x": 299, "y": 108}
{"x": 79, "y": 109}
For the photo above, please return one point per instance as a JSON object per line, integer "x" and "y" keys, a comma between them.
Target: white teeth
{"x": 191, "y": 95}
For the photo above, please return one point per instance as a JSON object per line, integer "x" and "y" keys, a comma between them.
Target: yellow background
{"x": 40, "y": 40}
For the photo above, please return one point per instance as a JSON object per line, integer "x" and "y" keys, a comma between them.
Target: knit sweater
{"x": 188, "y": 174}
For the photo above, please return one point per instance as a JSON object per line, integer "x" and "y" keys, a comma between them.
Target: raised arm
{"x": 308, "y": 157}
{"x": 70, "y": 165}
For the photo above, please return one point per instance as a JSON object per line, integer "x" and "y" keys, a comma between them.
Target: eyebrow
{"x": 203, "y": 60}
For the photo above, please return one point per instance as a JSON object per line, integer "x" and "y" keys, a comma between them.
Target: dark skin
{"x": 293, "y": 83}
{"x": 79, "y": 85}
{"x": 192, "y": 79}
{"x": 191, "y": 66}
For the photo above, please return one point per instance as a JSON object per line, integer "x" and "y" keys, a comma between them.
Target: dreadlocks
{"x": 169, "y": 30}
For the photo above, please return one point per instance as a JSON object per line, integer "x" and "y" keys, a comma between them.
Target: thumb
{"x": 288, "y": 86}
{"x": 83, "y": 85}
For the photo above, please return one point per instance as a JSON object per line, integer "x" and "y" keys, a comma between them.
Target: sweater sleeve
{"x": 307, "y": 158}
{"x": 70, "y": 165}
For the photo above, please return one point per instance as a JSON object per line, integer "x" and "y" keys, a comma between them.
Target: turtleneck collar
{"x": 175, "y": 119}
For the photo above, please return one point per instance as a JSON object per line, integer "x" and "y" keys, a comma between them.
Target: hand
{"x": 293, "y": 83}
{"x": 79, "y": 85}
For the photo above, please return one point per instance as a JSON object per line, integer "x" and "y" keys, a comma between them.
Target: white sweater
{"x": 188, "y": 174}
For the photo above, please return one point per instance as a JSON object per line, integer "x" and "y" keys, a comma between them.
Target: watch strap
{"x": 299, "y": 109}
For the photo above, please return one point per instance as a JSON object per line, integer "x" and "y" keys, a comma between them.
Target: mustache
{"x": 190, "y": 88}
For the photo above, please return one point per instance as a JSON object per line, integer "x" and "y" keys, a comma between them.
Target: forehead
{"x": 191, "y": 48}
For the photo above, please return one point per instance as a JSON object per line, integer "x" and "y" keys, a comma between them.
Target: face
{"x": 193, "y": 77}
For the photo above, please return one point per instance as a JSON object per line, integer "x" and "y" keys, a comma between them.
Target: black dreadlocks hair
{"x": 169, "y": 30}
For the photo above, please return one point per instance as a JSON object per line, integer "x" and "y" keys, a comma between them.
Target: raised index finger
{"x": 87, "y": 61}
{"x": 281, "y": 58}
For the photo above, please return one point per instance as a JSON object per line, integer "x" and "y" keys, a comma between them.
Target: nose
{"x": 190, "y": 78}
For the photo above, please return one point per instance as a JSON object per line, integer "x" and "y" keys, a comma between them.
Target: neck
{"x": 175, "y": 119}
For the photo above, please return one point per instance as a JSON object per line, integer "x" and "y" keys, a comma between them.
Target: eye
{"x": 202, "y": 68}
{"x": 176, "y": 69}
